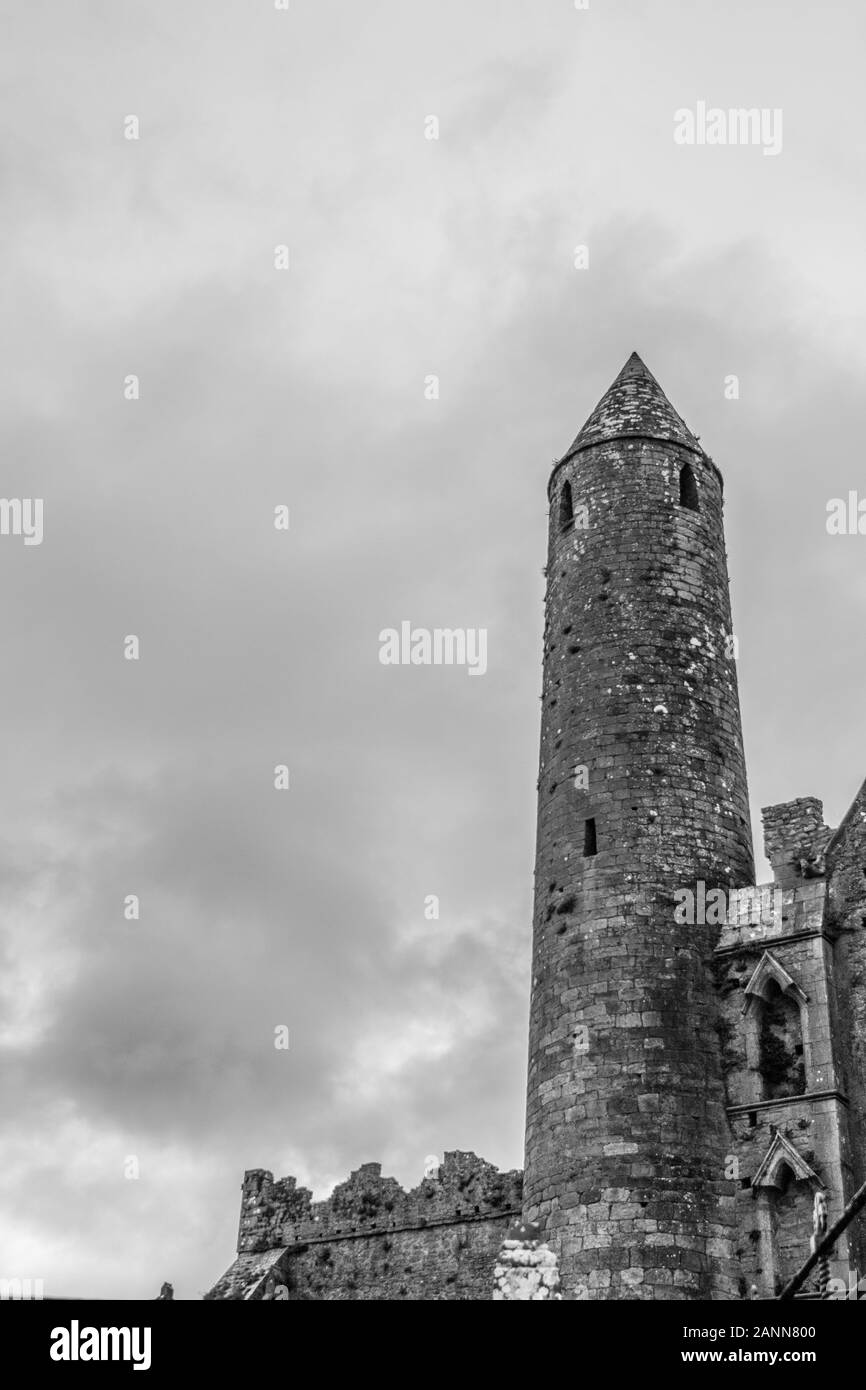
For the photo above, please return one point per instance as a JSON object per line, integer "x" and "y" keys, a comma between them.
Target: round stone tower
{"x": 641, "y": 792}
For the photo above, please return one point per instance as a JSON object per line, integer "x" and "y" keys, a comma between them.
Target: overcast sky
{"x": 409, "y": 257}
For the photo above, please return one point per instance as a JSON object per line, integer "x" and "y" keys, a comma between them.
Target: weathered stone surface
{"x": 526, "y": 1271}
{"x": 371, "y": 1239}
{"x": 794, "y": 952}
{"x": 625, "y": 1074}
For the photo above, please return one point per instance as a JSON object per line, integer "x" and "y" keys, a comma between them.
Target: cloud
{"x": 305, "y": 908}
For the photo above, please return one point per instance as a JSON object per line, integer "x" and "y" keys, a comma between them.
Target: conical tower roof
{"x": 634, "y": 404}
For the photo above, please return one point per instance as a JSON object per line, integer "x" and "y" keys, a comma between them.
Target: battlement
{"x": 464, "y": 1188}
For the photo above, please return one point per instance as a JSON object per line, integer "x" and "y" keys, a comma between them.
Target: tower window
{"x": 566, "y": 507}
{"x": 688, "y": 488}
{"x": 589, "y": 845}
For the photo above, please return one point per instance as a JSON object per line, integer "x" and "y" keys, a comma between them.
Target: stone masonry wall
{"x": 793, "y": 831}
{"x": 626, "y": 1126}
{"x": 790, "y": 924}
{"x": 371, "y": 1239}
{"x": 432, "y": 1263}
{"x": 795, "y": 938}
{"x": 814, "y": 1129}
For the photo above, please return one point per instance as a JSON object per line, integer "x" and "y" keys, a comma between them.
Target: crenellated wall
{"x": 372, "y": 1239}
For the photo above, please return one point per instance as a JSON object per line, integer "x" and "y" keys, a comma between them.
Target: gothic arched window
{"x": 784, "y": 1186}
{"x": 791, "y": 1208}
{"x": 780, "y": 1044}
{"x": 688, "y": 488}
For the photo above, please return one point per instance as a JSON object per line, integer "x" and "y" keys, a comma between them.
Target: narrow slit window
{"x": 688, "y": 489}
{"x": 566, "y": 507}
{"x": 589, "y": 844}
